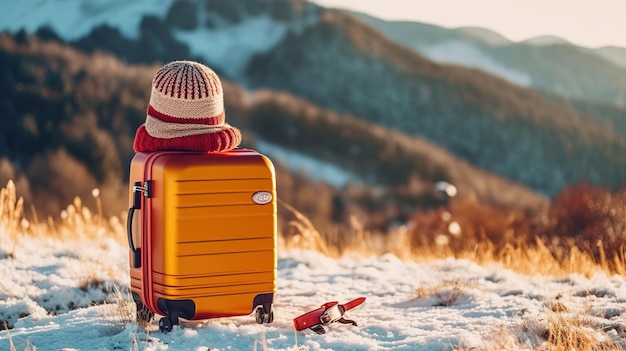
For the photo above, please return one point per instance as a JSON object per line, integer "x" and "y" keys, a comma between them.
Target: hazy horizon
{"x": 589, "y": 24}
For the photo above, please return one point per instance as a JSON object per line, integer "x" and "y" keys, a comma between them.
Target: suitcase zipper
{"x": 147, "y": 190}
{"x": 146, "y": 237}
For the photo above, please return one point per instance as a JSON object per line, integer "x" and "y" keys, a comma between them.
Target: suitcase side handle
{"x": 136, "y": 253}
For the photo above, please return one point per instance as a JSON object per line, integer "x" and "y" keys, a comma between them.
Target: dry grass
{"x": 120, "y": 311}
{"x": 559, "y": 327}
{"x": 535, "y": 259}
{"x": 77, "y": 222}
{"x": 304, "y": 235}
{"x": 527, "y": 258}
{"x": 445, "y": 293}
{"x": 301, "y": 233}
{"x": 24, "y": 346}
{"x": 11, "y": 215}
{"x": 575, "y": 332}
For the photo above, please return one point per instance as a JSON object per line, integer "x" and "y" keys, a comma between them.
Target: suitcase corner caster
{"x": 264, "y": 315}
{"x": 167, "y": 323}
{"x": 173, "y": 309}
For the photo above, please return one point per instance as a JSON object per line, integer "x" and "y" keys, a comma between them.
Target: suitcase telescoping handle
{"x": 136, "y": 253}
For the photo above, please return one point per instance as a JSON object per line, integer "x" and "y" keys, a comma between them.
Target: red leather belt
{"x": 328, "y": 313}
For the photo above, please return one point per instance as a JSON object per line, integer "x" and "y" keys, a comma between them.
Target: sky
{"x": 437, "y": 305}
{"x": 583, "y": 22}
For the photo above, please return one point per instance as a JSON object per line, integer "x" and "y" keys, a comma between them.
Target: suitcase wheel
{"x": 169, "y": 321}
{"x": 166, "y": 324}
{"x": 263, "y": 317}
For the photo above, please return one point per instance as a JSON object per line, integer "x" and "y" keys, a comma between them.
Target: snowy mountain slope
{"x": 75, "y": 19}
{"x": 547, "y": 63}
{"x": 462, "y": 46}
{"x": 314, "y": 169}
{"x": 465, "y": 54}
{"x": 52, "y": 295}
{"x": 234, "y": 44}
{"x": 230, "y": 38}
{"x": 228, "y": 35}
{"x": 615, "y": 54}
{"x": 501, "y": 127}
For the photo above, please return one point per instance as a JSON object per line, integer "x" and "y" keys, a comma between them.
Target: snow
{"x": 459, "y": 53}
{"x": 229, "y": 46}
{"x": 233, "y": 45}
{"x": 73, "y": 19}
{"x": 435, "y": 305}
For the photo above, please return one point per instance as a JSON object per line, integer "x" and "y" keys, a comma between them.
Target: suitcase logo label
{"x": 262, "y": 197}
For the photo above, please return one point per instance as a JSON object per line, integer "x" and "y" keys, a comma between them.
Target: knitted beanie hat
{"x": 186, "y": 112}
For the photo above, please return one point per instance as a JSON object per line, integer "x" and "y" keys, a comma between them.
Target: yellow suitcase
{"x": 202, "y": 235}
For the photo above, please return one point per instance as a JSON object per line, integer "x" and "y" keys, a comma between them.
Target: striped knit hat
{"x": 186, "y": 112}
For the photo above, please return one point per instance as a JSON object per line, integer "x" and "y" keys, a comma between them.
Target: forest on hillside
{"x": 71, "y": 119}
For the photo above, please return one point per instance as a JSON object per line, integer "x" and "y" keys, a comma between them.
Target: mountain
{"x": 482, "y": 34}
{"x": 547, "y": 63}
{"x": 145, "y": 31}
{"x": 75, "y": 19}
{"x": 338, "y": 63}
{"x": 614, "y": 54}
{"x": 343, "y": 65}
{"x": 546, "y": 40}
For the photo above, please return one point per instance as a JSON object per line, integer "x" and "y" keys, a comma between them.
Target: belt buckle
{"x": 332, "y": 314}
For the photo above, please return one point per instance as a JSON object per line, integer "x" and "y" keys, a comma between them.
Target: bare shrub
{"x": 446, "y": 293}
{"x": 593, "y": 220}
{"x": 583, "y": 230}
{"x": 54, "y": 176}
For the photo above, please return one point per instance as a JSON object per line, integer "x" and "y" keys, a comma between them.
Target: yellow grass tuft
{"x": 11, "y": 218}
{"x": 77, "y": 222}
{"x": 11, "y": 207}
{"x": 303, "y": 233}
{"x": 578, "y": 330}
{"x": 550, "y": 331}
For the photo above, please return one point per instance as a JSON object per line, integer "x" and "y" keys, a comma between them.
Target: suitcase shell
{"x": 202, "y": 233}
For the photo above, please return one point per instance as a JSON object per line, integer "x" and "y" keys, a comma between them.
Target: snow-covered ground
{"x": 52, "y": 293}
